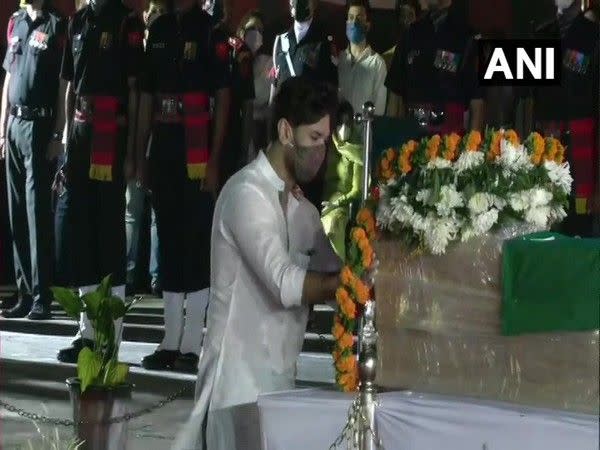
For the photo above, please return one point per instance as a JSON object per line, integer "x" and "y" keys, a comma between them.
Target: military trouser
{"x": 28, "y": 179}
{"x": 183, "y": 213}
{"x": 95, "y": 212}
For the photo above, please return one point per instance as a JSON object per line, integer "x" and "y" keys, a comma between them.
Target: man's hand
{"x": 55, "y": 148}
{"x": 211, "y": 182}
{"x": 59, "y": 185}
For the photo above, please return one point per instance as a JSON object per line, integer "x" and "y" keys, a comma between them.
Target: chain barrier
{"x": 121, "y": 419}
{"x": 356, "y": 423}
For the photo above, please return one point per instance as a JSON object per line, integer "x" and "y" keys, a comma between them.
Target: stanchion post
{"x": 367, "y": 337}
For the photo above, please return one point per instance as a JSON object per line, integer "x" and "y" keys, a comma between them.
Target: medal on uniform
{"x": 189, "y": 51}
{"x": 448, "y": 61}
{"x": 576, "y": 62}
{"x": 105, "y": 40}
{"x": 39, "y": 40}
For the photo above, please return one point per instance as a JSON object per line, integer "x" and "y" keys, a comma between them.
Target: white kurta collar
{"x": 264, "y": 166}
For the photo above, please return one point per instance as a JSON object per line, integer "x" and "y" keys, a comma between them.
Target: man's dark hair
{"x": 360, "y": 3}
{"x": 302, "y": 101}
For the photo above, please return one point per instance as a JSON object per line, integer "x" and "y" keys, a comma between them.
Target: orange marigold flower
{"x": 349, "y": 381}
{"x": 346, "y": 341}
{"x": 341, "y": 294}
{"x": 364, "y": 215}
{"x": 473, "y": 141}
{"x": 338, "y": 329}
{"x": 364, "y": 244}
{"x": 348, "y": 307}
{"x": 385, "y": 164}
{"x": 346, "y": 276}
{"x": 560, "y": 154}
{"x": 512, "y": 137}
{"x": 346, "y": 364}
{"x": 362, "y": 292}
{"x": 433, "y": 146}
{"x": 336, "y": 354}
{"x": 358, "y": 234}
{"x": 390, "y": 154}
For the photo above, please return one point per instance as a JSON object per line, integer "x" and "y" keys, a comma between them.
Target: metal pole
{"x": 367, "y": 336}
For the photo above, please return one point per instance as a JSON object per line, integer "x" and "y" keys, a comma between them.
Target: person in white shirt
{"x": 361, "y": 70}
{"x": 270, "y": 260}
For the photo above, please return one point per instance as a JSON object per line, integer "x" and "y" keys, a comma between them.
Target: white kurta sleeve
{"x": 380, "y": 91}
{"x": 253, "y": 224}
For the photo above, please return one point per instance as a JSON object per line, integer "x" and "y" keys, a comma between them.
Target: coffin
{"x": 439, "y": 324}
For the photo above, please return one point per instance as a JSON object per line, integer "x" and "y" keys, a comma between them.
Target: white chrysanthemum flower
{"x": 560, "y": 175}
{"x": 467, "y": 234}
{"x": 513, "y": 157}
{"x": 482, "y": 223}
{"x": 450, "y": 199}
{"x": 538, "y": 216}
{"x": 423, "y": 195}
{"x": 479, "y": 203}
{"x": 557, "y": 213}
{"x": 539, "y": 197}
{"x": 468, "y": 160}
{"x": 439, "y": 163}
{"x": 519, "y": 201}
{"x": 439, "y": 233}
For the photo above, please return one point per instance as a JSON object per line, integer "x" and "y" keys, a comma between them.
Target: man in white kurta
{"x": 268, "y": 260}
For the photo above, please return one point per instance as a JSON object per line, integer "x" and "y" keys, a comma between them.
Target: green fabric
{"x": 550, "y": 283}
{"x": 343, "y": 183}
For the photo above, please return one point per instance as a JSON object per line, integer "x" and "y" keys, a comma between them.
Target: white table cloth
{"x": 312, "y": 419}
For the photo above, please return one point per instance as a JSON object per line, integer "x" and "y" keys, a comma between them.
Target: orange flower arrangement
{"x": 512, "y": 137}
{"x": 387, "y": 163}
{"x": 451, "y": 142}
{"x": 560, "y": 153}
{"x": 351, "y": 297}
{"x": 538, "y": 148}
{"x": 404, "y": 161}
{"x": 495, "y": 145}
{"x": 433, "y": 147}
{"x": 551, "y": 149}
{"x": 473, "y": 141}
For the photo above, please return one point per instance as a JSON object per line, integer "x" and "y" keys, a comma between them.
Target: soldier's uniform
{"x": 240, "y": 66}
{"x": 314, "y": 57}
{"x": 33, "y": 60}
{"x": 102, "y": 55}
{"x": 434, "y": 71}
{"x": 186, "y": 63}
{"x": 570, "y": 112}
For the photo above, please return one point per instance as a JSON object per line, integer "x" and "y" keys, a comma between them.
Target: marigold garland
{"x": 353, "y": 292}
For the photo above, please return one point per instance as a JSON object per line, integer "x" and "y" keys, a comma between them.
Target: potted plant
{"x": 100, "y": 391}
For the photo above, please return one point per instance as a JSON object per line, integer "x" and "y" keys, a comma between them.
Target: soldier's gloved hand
{"x": 59, "y": 185}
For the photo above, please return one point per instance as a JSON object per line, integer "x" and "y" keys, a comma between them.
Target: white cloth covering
{"x": 255, "y": 321}
{"x": 313, "y": 419}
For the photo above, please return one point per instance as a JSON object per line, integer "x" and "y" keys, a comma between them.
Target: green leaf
{"x": 69, "y": 301}
{"x": 117, "y": 307}
{"x": 92, "y": 300}
{"x": 105, "y": 287}
{"x": 116, "y": 373}
{"x": 88, "y": 367}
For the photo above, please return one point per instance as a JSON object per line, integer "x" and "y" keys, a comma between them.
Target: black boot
{"x": 187, "y": 363}
{"x": 160, "y": 360}
{"x": 70, "y": 354}
{"x": 39, "y": 311}
{"x": 19, "y": 311}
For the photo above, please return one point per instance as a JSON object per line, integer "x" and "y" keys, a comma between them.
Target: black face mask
{"x": 301, "y": 10}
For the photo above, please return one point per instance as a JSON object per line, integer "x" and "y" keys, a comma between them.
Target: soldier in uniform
{"x": 305, "y": 50}
{"x": 102, "y": 55}
{"x": 31, "y": 128}
{"x": 186, "y": 65}
{"x": 434, "y": 73}
{"x": 569, "y": 111}
{"x": 240, "y": 64}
